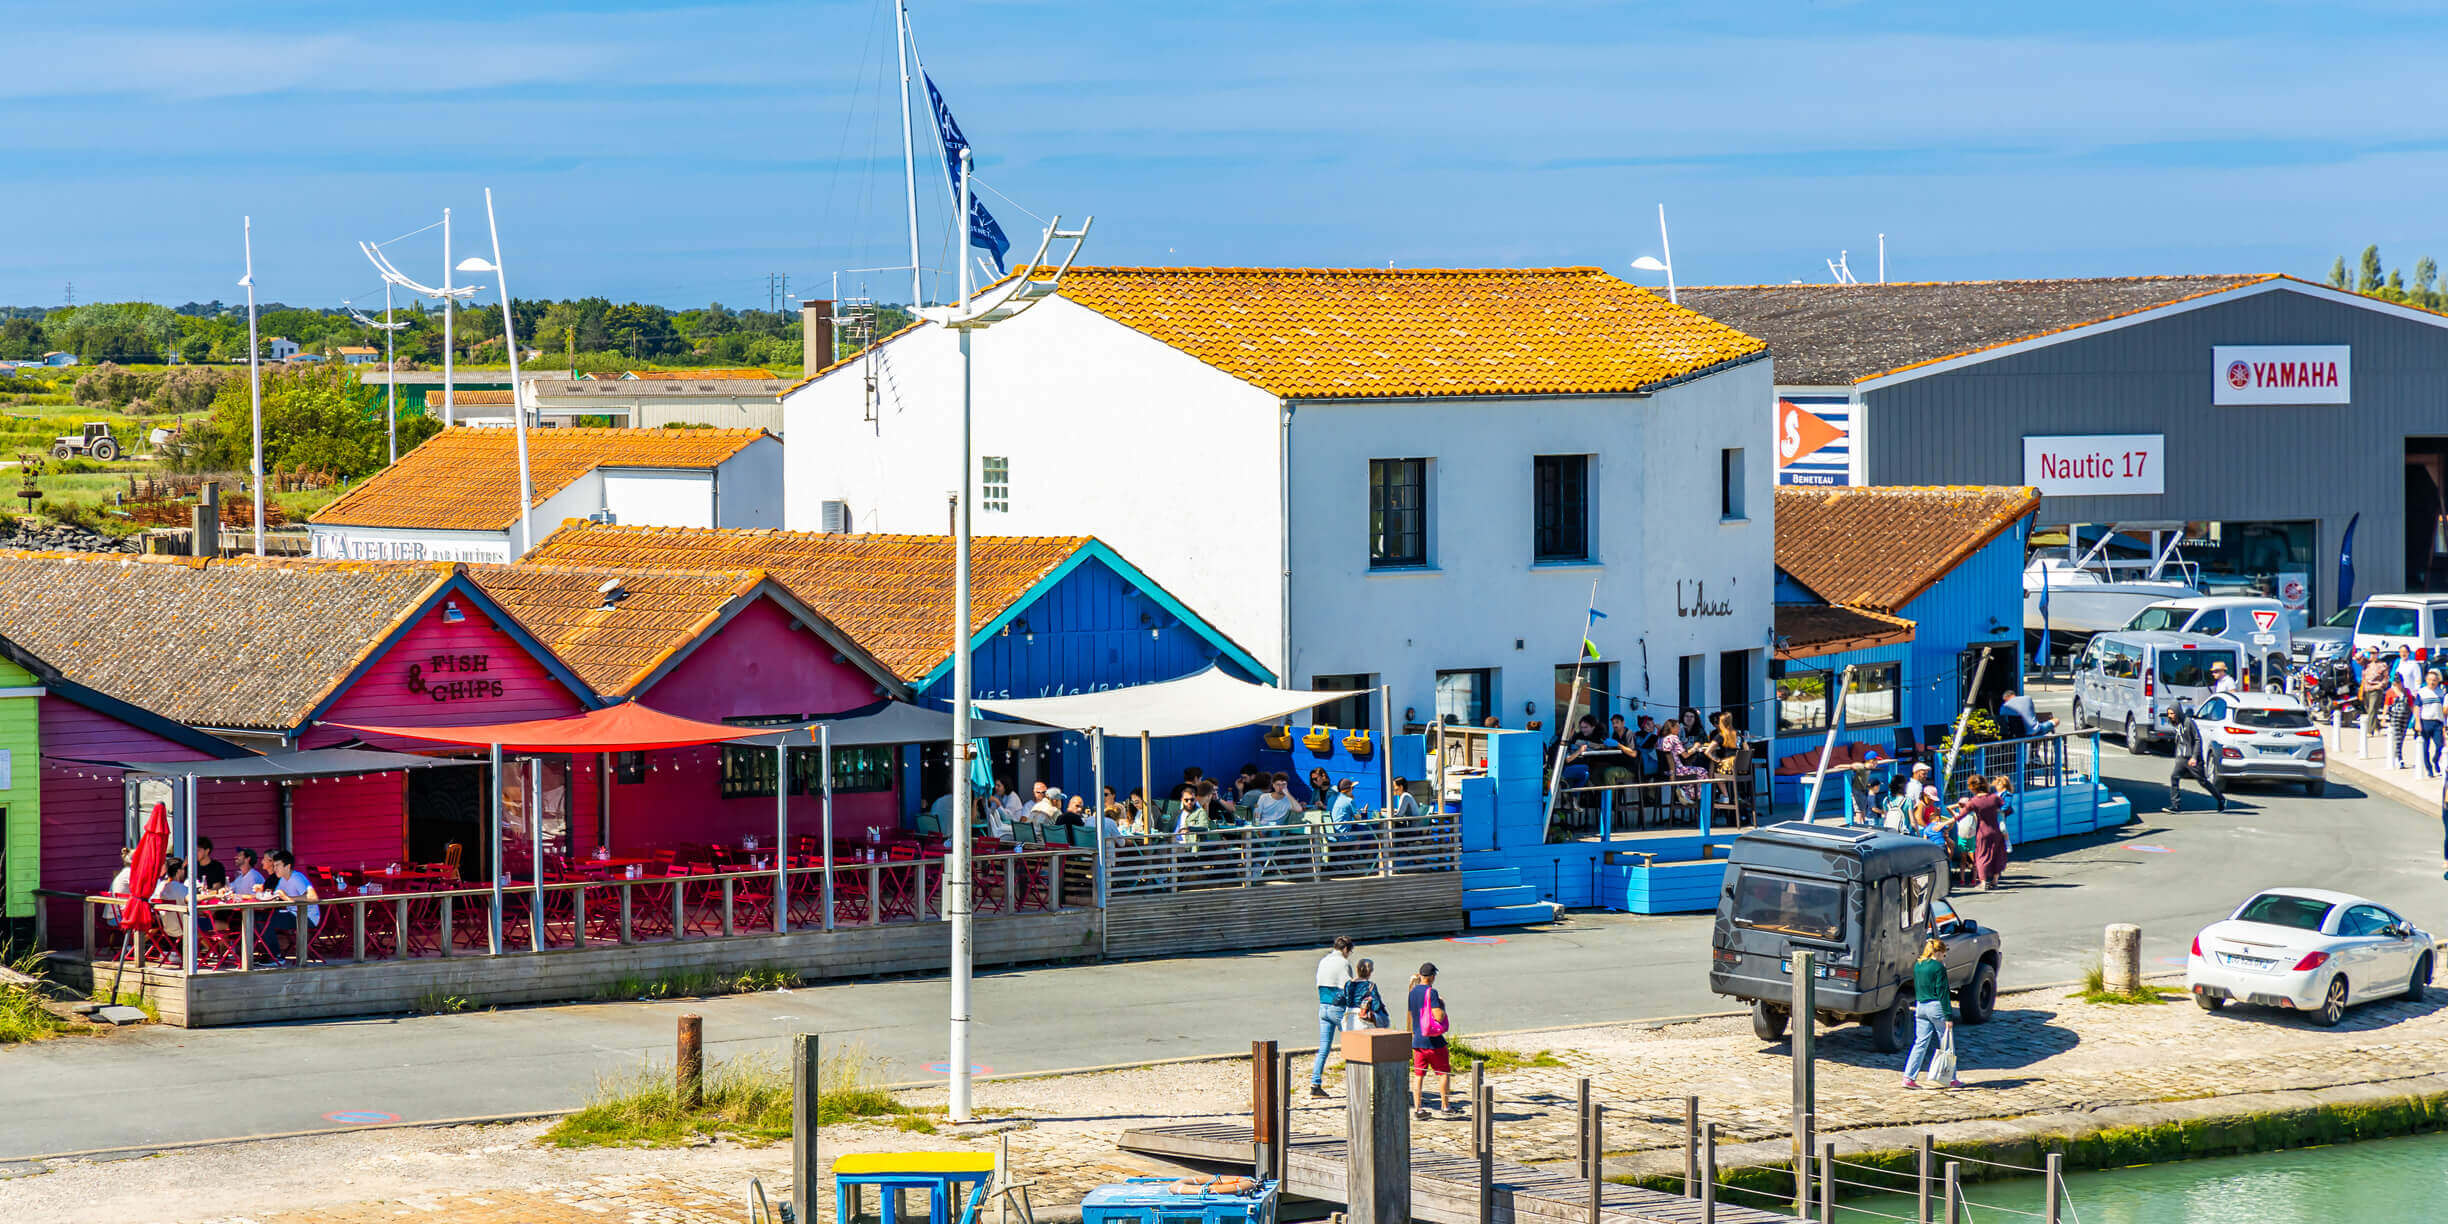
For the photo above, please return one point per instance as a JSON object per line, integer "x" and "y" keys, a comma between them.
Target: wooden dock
{"x": 1444, "y": 1187}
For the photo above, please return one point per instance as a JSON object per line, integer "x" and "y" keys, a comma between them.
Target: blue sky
{"x": 678, "y": 154}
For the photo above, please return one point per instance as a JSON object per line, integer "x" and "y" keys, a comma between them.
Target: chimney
{"x": 816, "y": 335}
{"x": 205, "y": 540}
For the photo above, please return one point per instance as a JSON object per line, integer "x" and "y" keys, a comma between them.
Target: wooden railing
{"x": 391, "y": 926}
{"x": 1249, "y": 856}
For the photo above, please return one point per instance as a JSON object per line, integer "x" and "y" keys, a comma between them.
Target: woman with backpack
{"x": 1363, "y": 1007}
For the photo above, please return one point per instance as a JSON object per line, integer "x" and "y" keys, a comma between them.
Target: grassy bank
{"x": 746, "y": 1098}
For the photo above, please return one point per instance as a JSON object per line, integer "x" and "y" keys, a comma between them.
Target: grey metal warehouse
{"x": 2261, "y": 413}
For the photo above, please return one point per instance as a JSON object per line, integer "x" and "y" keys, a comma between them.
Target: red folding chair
{"x": 701, "y": 901}
{"x": 851, "y": 902}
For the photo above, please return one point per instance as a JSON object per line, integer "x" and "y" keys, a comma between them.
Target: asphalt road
{"x": 2171, "y": 874}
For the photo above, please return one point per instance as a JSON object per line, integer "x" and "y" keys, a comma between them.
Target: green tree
{"x": 2396, "y": 289}
{"x": 2370, "y": 280}
{"x": 197, "y": 347}
{"x": 190, "y": 389}
{"x": 316, "y": 417}
{"x": 111, "y": 385}
{"x": 21, "y": 339}
{"x": 2337, "y": 273}
{"x": 2426, "y": 278}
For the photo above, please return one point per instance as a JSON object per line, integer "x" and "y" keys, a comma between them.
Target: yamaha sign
{"x": 2281, "y": 374}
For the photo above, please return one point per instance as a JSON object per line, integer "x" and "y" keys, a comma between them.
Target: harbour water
{"x": 2384, "y": 1181}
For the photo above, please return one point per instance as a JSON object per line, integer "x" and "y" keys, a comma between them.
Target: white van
{"x": 2237, "y": 618}
{"x": 2392, "y": 623}
{"x": 2131, "y": 682}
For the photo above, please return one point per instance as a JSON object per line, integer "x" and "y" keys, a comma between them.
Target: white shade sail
{"x": 1192, "y": 705}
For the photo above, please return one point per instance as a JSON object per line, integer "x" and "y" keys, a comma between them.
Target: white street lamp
{"x": 1030, "y": 286}
{"x": 1651, "y": 263}
{"x": 518, "y": 410}
{"x": 390, "y": 369}
{"x": 254, "y": 386}
{"x": 449, "y": 294}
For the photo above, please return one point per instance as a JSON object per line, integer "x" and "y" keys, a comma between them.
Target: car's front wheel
{"x": 1891, "y": 1030}
{"x": 2077, "y": 719}
{"x": 2420, "y": 984}
{"x": 2333, "y": 1004}
{"x": 1767, "y": 1023}
{"x": 1977, "y": 1001}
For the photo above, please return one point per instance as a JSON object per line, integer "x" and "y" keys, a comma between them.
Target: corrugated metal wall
{"x": 2258, "y": 463}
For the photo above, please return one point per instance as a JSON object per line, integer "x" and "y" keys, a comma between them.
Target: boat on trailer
{"x": 2090, "y": 591}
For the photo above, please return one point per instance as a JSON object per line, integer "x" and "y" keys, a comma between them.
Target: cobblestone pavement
{"x": 2044, "y": 1051}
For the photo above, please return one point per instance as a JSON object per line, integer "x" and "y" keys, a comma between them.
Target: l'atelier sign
{"x": 1700, "y": 604}
{"x": 424, "y": 677}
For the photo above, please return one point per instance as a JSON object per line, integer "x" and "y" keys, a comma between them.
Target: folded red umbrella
{"x": 144, "y": 871}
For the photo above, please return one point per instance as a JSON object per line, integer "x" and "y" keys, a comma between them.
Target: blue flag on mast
{"x": 2345, "y": 595}
{"x": 983, "y": 232}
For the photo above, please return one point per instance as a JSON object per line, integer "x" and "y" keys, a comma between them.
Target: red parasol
{"x": 144, "y": 870}
{"x": 628, "y": 727}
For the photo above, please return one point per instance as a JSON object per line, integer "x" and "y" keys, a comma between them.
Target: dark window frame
{"x": 1894, "y": 691}
{"x": 1398, "y": 513}
{"x": 1560, "y": 508}
{"x": 1783, "y": 671}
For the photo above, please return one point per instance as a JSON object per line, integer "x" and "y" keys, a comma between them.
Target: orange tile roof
{"x": 1878, "y": 547}
{"x": 1340, "y": 333}
{"x": 466, "y": 479}
{"x": 1807, "y": 631}
{"x": 615, "y": 649}
{"x": 736, "y": 374}
{"x": 890, "y": 593}
{"x": 481, "y": 398}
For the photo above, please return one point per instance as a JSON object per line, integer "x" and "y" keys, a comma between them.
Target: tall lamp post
{"x": 1034, "y": 283}
{"x": 1651, "y": 263}
{"x": 450, "y": 296}
{"x": 389, "y": 330}
{"x": 254, "y": 388}
{"x": 518, "y": 411}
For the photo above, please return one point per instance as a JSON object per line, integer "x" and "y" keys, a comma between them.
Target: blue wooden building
{"x": 1089, "y": 621}
{"x": 1910, "y": 585}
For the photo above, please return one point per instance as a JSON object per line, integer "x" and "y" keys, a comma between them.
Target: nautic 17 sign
{"x": 2096, "y": 465}
{"x": 2281, "y": 373}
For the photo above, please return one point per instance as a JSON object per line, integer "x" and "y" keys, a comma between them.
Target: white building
{"x": 455, "y": 497}
{"x": 1401, "y": 477}
{"x": 279, "y": 348}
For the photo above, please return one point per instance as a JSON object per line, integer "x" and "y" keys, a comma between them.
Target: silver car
{"x": 2261, "y": 737}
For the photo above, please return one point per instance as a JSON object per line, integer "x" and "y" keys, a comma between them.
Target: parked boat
{"x": 2090, "y": 592}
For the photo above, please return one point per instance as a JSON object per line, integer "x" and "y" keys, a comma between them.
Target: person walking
{"x": 1363, "y": 1007}
{"x": 2190, "y": 759}
{"x": 2400, "y": 714}
{"x": 1933, "y": 1014}
{"x": 2430, "y": 704}
{"x": 1424, "y": 1014}
{"x": 1988, "y": 838}
{"x": 2374, "y": 689}
{"x": 1334, "y": 976}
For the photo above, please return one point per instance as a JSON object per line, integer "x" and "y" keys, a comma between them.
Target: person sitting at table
{"x": 119, "y": 882}
{"x": 209, "y": 872}
{"x": 1045, "y": 807}
{"x": 1321, "y": 788}
{"x": 1074, "y": 813}
{"x": 1195, "y": 818}
{"x": 1275, "y": 805}
{"x": 1404, "y": 808}
{"x": 291, "y": 885}
{"x": 1111, "y": 824}
{"x": 172, "y": 888}
{"x": 1583, "y": 742}
{"x": 1644, "y": 743}
{"x": 1346, "y": 814}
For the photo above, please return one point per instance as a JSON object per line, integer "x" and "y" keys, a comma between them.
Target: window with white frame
{"x": 994, "y": 483}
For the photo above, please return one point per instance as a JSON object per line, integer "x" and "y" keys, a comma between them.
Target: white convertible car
{"x": 2313, "y": 951}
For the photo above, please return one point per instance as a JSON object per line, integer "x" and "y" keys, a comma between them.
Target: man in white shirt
{"x": 172, "y": 890}
{"x": 249, "y": 878}
{"x": 289, "y": 884}
{"x": 1334, "y": 975}
{"x": 2220, "y": 681}
{"x": 1277, "y": 806}
{"x": 1919, "y": 783}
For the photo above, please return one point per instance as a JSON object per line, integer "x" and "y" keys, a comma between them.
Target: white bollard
{"x": 2121, "y": 958}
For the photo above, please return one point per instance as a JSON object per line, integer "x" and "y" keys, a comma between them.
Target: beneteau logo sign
{"x": 2282, "y": 373}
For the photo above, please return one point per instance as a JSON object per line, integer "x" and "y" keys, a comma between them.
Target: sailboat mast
{"x": 909, "y": 155}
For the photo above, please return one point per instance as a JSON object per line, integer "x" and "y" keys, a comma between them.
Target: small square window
{"x": 1350, "y": 713}
{"x": 994, "y": 481}
{"x": 1464, "y": 696}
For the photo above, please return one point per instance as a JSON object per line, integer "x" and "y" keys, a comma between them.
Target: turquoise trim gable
{"x": 1098, "y": 550}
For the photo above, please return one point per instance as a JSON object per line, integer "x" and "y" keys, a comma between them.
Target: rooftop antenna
{"x": 390, "y": 368}
{"x": 1882, "y": 259}
{"x": 254, "y": 386}
{"x": 1841, "y": 270}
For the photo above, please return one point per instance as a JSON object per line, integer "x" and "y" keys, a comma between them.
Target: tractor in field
{"x": 95, "y": 443}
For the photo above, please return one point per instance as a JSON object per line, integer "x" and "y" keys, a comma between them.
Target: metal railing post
{"x": 1708, "y": 1169}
